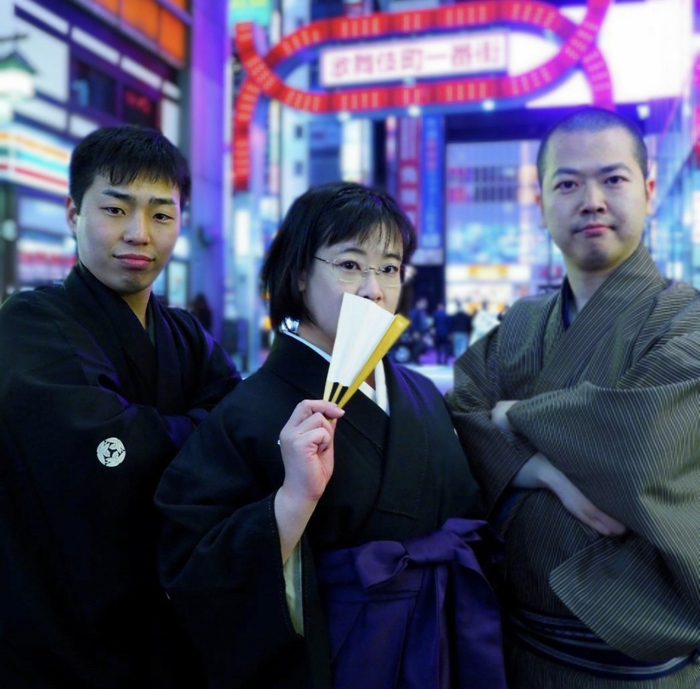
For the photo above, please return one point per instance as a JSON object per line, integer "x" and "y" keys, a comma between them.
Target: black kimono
{"x": 91, "y": 412}
{"x": 395, "y": 477}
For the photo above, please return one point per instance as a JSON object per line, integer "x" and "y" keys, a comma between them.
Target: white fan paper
{"x": 365, "y": 334}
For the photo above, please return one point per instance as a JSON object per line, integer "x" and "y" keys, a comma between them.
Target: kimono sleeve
{"x": 495, "y": 456}
{"x": 634, "y": 450}
{"x": 220, "y": 554}
{"x": 216, "y": 376}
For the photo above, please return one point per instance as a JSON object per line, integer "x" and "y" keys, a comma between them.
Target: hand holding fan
{"x": 365, "y": 334}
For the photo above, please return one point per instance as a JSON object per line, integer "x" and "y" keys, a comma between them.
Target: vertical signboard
{"x": 431, "y": 238}
{"x": 408, "y": 166}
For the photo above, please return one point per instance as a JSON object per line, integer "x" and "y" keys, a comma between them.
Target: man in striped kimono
{"x": 580, "y": 414}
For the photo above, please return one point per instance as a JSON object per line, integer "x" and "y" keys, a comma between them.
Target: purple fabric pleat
{"x": 413, "y": 615}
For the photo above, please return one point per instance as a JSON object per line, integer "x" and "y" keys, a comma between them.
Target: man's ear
{"x": 538, "y": 201}
{"x": 71, "y": 215}
{"x": 650, "y": 188}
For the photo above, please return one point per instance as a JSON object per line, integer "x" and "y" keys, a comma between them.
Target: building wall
{"x": 101, "y": 63}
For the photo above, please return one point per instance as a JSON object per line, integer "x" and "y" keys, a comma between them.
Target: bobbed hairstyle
{"x": 123, "y": 154}
{"x": 323, "y": 216}
{"x": 589, "y": 119}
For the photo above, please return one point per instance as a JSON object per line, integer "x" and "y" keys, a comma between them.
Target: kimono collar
{"x": 118, "y": 331}
{"x": 378, "y": 394}
{"x": 567, "y": 351}
{"x": 635, "y": 277}
{"x": 300, "y": 366}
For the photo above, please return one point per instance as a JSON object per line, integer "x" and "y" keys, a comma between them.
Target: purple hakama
{"x": 413, "y": 615}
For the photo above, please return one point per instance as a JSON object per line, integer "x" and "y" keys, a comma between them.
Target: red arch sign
{"x": 577, "y": 48}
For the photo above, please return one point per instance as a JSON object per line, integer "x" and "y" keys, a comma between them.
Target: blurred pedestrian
{"x": 442, "y": 327}
{"x": 461, "y": 329}
{"x": 201, "y": 310}
{"x": 420, "y": 328}
{"x": 483, "y": 321}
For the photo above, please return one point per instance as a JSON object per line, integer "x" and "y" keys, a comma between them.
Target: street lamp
{"x": 16, "y": 84}
{"x": 16, "y": 79}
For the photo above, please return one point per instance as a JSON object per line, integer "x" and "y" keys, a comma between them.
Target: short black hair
{"x": 590, "y": 119}
{"x": 323, "y": 216}
{"x": 124, "y": 153}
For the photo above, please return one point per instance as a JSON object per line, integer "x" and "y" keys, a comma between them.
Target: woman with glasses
{"x": 307, "y": 546}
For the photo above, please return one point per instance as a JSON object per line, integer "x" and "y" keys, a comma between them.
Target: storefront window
{"x": 138, "y": 109}
{"x": 91, "y": 88}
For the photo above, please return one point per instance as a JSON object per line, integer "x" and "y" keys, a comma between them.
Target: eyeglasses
{"x": 352, "y": 272}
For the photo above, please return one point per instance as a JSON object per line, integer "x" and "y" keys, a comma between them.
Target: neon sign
{"x": 459, "y": 54}
{"x": 30, "y": 159}
{"x": 577, "y": 49}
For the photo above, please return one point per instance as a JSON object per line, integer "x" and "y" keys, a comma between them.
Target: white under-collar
{"x": 378, "y": 394}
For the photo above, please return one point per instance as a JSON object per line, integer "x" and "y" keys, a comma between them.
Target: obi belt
{"x": 418, "y": 614}
{"x": 569, "y": 642}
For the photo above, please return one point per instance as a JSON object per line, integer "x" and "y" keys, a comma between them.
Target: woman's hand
{"x": 306, "y": 443}
{"x": 539, "y": 472}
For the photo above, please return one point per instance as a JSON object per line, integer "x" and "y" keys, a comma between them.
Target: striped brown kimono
{"x": 614, "y": 402}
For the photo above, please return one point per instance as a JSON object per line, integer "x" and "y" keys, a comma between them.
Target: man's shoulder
{"x": 678, "y": 303}
{"x": 259, "y": 399}
{"x": 529, "y": 306}
{"x": 40, "y": 302}
{"x": 181, "y": 317}
{"x": 33, "y": 327}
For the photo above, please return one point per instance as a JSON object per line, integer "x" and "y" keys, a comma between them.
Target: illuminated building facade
{"x": 107, "y": 62}
{"x": 444, "y": 105}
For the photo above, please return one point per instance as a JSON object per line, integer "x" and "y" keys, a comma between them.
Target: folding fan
{"x": 365, "y": 334}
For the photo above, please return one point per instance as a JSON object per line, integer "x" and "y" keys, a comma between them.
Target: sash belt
{"x": 569, "y": 642}
{"x": 388, "y": 621}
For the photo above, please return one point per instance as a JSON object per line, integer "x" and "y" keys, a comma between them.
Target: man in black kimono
{"x": 100, "y": 386}
{"x": 579, "y": 414}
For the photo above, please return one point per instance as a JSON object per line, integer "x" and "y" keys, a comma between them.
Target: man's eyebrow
{"x": 613, "y": 167}
{"x": 161, "y": 201}
{"x": 122, "y": 196}
{"x": 601, "y": 171}
{"x": 130, "y": 198}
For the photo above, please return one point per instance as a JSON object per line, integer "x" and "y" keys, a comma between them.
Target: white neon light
{"x": 414, "y": 58}
{"x": 170, "y": 120}
{"x": 140, "y": 72}
{"x": 171, "y": 90}
{"x": 16, "y": 84}
{"x": 182, "y": 247}
{"x": 44, "y": 112}
{"x": 49, "y": 18}
{"x": 94, "y": 45}
{"x": 647, "y": 47}
{"x": 242, "y": 229}
{"x": 50, "y": 56}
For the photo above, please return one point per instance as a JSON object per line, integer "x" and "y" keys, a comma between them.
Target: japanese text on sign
{"x": 415, "y": 59}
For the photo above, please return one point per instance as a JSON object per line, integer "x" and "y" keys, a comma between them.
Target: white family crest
{"x": 111, "y": 452}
